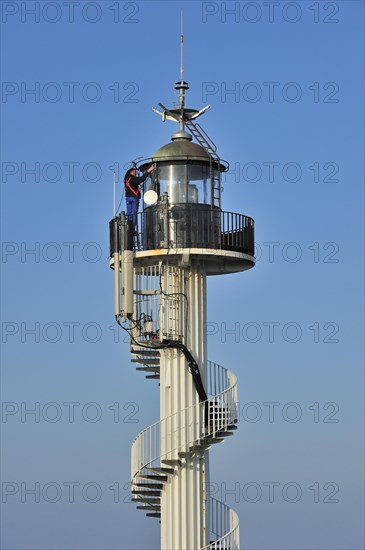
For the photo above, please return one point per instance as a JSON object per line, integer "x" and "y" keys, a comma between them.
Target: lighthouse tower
{"x": 183, "y": 235}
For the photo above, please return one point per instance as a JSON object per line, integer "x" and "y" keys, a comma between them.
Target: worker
{"x": 132, "y": 192}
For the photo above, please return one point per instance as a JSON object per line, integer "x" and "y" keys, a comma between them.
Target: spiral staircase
{"x": 151, "y": 468}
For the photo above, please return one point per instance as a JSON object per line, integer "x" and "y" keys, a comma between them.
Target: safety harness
{"x": 127, "y": 184}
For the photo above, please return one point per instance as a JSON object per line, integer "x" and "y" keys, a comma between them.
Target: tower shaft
{"x": 183, "y": 501}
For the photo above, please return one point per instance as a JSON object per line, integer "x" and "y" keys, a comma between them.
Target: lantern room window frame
{"x": 185, "y": 182}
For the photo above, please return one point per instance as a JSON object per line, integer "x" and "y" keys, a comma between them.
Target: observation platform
{"x": 182, "y": 234}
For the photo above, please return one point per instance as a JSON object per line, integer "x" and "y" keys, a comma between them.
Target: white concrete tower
{"x": 183, "y": 236}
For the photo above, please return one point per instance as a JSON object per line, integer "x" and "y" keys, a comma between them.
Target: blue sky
{"x": 292, "y": 131}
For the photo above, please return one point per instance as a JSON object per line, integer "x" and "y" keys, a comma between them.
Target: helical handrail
{"x": 224, "y": 525}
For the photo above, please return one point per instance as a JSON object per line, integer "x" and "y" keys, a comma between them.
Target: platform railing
{"x": 194, "y": 226}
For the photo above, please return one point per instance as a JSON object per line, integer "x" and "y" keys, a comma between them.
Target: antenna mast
{"x": 181, "y": 114}
{"x": 181, "y": 46}
{"x": 114, "y": 202}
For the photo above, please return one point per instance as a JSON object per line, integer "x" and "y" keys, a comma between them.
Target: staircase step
{"x": 224, "y": 434}
{"x": 153, "y": 376}
{"x": 151, "y": 352}
{"x": 146, "y": 359}
{"x": 199, "y": 448}
{"x": 146, "y": 501}
{"x": 168, "y": 471}
{"x": 148, "y": 369}
{"x": 144, "y": 493}
{"x": 147, "y": 345}
{"x": 146, "y": 507}
{"x": 154, "y": 477}
{"x": 184, "y": 454}
{"x": 153, "y": 515}
{"x": 149, "y": 485}
{"x": 154, "y": 361}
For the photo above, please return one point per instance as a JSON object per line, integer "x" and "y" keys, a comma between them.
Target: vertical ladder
{"x": 204, "y": 140}
{"x": 171, "y": 326}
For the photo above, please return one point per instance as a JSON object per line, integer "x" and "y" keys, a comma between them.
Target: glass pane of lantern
{"x": 172, "y": 180}
{"x": 199, "y": 184}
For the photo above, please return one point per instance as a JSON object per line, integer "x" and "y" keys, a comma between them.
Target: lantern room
{"x": 187, "y": 173}
{"x": 187, "y": 201}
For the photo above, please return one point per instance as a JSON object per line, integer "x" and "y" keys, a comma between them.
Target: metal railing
{"x": 194, "y": 226}
{"x": 187, "y": 428}
{"x": 237, "y": 233}
{"x": 224, "y": 524}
